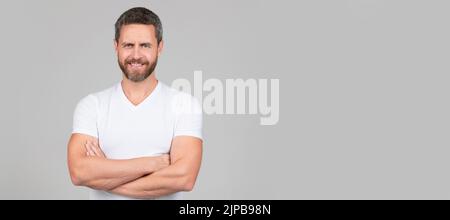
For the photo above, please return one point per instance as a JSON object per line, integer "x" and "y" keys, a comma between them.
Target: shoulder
{"x": 94, "y": 99}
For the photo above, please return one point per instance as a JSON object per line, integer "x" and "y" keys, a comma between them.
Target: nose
{"x": 136, "y": 53}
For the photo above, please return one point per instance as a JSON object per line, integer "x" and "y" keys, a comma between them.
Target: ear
{"x": 160, "y": 47}
{"x": 115, "y": 45}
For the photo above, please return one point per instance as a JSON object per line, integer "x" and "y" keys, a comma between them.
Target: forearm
{"x": 174, "y": 178}
{"x": 105, "y": 174}
{"x": 89, "y": 166}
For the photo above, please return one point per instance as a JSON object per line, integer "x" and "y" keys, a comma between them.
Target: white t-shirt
{"x": 127, "y": 131}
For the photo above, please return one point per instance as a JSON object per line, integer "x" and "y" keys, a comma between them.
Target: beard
{"x": 138, "y": 74}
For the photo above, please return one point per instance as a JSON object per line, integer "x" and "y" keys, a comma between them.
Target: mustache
{"x": 139, "y": 61}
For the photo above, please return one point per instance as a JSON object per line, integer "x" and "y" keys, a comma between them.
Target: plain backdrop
{"x": 364, "y": 93}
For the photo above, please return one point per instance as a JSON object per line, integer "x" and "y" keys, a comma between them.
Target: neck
{"x": 136, "y": 92}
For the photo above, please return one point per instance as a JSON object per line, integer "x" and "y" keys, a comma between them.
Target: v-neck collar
{"x": 129, "y": 103}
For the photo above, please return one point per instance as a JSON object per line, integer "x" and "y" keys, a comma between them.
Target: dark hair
{"x": 139, "y": 15}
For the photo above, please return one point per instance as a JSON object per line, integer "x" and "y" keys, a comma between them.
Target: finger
{"x": 94, "y": 148}
{"x": 167, "y": 157}
{"x": 89, "y": 145}
{"x": 90, "y": 150}
{"x": 97, "y": 146}
{"x": 97, "y": 151}
{"x": 86, "y": 146}
{"x": 93, "y": 142}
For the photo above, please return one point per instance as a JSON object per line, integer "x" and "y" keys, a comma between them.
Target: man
{"x": 140, "y": 138}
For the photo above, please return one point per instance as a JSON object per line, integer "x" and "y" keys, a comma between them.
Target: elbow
{"x": 76, "y": 180}
{"x": 188, "y": 183}
{"x": 188, "y": 177}
{"x": 188, "y": 186}
{"x": 76, "y": 176}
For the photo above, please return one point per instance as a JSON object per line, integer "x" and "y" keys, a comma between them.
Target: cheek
{"x": 122, "y": 56}
{"x": 151, "y": 56}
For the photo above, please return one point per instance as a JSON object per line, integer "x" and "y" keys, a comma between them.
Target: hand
{"x": 93, "y": 149}
{"x": 162, "y": 161}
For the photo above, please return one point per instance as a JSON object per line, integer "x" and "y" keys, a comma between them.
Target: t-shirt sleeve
{"x": 189, "y": 122}
{"x": 85, "y": 117}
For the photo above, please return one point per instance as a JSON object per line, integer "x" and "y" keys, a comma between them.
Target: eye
{"x": 145, "y": 45}
{"x": 127, "y": 46}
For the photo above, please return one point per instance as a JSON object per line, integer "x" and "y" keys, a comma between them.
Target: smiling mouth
{"x": 135, "y": 65}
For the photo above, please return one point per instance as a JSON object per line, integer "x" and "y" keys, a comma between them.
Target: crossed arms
{"x": 143, "y": 177}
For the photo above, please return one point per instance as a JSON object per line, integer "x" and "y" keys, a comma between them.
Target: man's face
{"x": 137, "y": 51}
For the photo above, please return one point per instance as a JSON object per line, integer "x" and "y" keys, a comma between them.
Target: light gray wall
{"x": 364, "y": 95}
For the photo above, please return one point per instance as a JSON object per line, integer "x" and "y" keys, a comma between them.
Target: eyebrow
{"x": 145, "y": 44}
{"x": 141, "y": 44}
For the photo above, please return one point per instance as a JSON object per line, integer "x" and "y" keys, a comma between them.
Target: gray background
{"x": 364, "y": 110}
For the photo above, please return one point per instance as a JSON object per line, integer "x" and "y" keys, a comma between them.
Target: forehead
{"x": 137, "y": 32}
